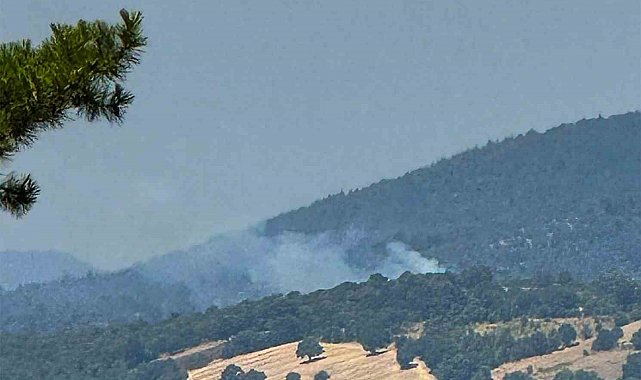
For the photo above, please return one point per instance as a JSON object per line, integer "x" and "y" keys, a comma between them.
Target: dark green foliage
{"x": 374, "y": 335}
{"x": 159, "y": 370}
{"x": 518, "y": 376}
{"x": 293, "y": 376}
{"x": 446, "y": 303}
{"x": 458, "y": 354}
{"x": 232, "y": 372}
{"x": 79, "y": 69}
{"x": 636, "y": 340}
{"x": 607, "y": 339}
{"x": 405, "y": 352}
{"x": 578, "y": 375}
{"x": 322, "y": 375}
{"x": 254, "y": 375}
{"x": 621, "y": 319}
{"x": 632, "y": 367}
{"x": 567, "y": 334}
{"x": 309, "y": 347}
{"x": 531, "y": 203}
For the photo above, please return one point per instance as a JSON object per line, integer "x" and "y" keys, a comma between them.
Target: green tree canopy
{"x": 78, "y": 71}
{"x": 568, "y": 334}
{"x": 309, "y": 347}
{"x": 322, "y": 375}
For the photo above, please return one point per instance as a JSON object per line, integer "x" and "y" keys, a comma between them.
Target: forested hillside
{"x": 566, "y": 199}
{"x": 373, "y": 313}
{"x": 17, "y": 268}
{"x": 93, "y": 300}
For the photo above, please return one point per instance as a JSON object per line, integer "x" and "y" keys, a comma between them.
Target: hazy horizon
{"x": 245, "y": 112}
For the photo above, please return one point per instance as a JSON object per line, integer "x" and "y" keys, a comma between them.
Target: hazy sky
{"x": 245, "y": 109}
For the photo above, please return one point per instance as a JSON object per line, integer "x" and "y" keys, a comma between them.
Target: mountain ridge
{"x": 476, "y": 207}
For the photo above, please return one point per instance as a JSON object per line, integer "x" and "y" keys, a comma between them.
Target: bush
{"x": 309, "y": 347}
{"x": 568, "y": 334}
{"x": 607, "y": 339}
{"x": 322, "y": 375}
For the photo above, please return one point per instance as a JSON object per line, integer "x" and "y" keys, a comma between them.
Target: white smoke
{"x": 401, "y": 258}
{"x": 279, "y": 264}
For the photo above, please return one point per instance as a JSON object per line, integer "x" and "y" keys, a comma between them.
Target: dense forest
{"x": 375, "y": 312}
{"x": 567, "y": 199}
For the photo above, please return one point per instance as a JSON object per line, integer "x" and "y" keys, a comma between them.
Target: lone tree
{"x": 309, "y": 347}
{"x": 232, "y": 372}
{"x": 293, "y": 376}
{"x": 78, "y": 71}
{"x": 567, "y": 333}
{"x": 322, "y": 375}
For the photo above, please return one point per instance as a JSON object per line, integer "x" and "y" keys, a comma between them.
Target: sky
{"x": 246, "y": 109}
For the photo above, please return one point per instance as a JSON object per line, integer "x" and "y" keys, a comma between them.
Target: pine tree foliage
{"x": 77, "y": 72}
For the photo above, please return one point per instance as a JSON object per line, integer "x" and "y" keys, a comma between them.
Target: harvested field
{"x": 346, "y": 361}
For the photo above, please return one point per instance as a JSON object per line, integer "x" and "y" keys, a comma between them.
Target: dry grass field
{"x": 346, "y": 361}
{"x": 607, "y": 364}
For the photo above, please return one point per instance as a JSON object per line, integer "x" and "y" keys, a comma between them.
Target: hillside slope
{"x": 18, "y": 268}
{"x": 347, "y": 361}
{"x": 569, "y": 198}
{"x": 608, "y": 364}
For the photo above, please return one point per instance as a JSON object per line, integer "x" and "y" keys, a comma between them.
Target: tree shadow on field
{"x": 371, "y": 354}
{"x": 312, "y": 360}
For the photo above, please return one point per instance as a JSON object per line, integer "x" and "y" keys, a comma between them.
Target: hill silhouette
{"x": 18, "y": 268}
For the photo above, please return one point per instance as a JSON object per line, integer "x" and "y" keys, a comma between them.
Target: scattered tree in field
{"x": 607, "y": 339}
{"x": 293, "y": 376}
{"x": 78, "y": 70}
{"x": 232, "y": 372}
{"x": 309, "y": 347}
{"x": 322, "y": 375}
{"x": 568, "y": 334}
